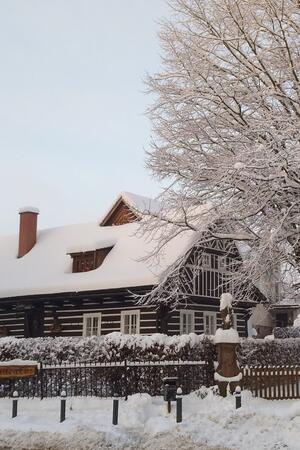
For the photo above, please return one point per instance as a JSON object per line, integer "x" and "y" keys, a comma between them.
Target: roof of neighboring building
{"x": 47, "y": 268}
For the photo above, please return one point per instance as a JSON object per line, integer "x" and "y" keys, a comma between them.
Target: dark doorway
{"x": 34, "y": 321}
{"x": 281, "y": 320}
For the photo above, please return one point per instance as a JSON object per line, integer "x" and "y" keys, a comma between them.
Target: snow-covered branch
{"x": 226, "y": 128}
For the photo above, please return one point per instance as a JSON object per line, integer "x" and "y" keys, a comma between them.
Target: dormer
{"x": 128, "y": 208}
{"x": 119, "y": 214}
{"x": 85, "y": 261}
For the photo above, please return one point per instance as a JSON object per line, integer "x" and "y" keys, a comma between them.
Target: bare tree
{"x": 226, "y": 128}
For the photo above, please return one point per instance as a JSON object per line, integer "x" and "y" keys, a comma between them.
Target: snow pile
{"x": 230, "y": 336}
{"x": 145, "y": 424}
{"x": 226, "y": 301}
{"x": 111, "y": 347}
{"x": 234, "y": 379}
{"x": 297, "y": 321}
{"x": 18, "y": 362}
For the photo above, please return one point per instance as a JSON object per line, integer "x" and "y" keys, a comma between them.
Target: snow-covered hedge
{"x": 109, "y": 348}
{"x": 287, "y": 332}
{"x": 269, "y": 352}
{"x": 157, "y": 347}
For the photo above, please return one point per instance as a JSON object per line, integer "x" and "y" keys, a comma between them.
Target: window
{"x": 234, "y": 321}
{"x": 222, "y": 263}
{"x": 210, "y": 323}
{"x": 130, "y": 321}
{"x": 187, "y": 321}
{"x": 91, "y": 324}
{"x": 205, "y": 260}
{"x": 90, "y": 260}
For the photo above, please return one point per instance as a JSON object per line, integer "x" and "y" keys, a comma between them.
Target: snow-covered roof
{"x": 47, "y": 268}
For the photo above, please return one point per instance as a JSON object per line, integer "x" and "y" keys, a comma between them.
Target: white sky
{"x": 72, "y": 124}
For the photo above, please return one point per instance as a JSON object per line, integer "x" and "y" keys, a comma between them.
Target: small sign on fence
{"x": 18, "y": 369}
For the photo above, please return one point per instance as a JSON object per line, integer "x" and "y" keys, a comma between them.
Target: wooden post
{"x": 228, "y": 374}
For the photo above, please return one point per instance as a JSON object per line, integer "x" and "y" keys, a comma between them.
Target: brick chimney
{"x": 27, "y": 230}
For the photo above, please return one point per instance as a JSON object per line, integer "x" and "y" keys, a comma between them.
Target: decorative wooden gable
{"x": 119, "y": 214}
{"x": 207, "y": 269}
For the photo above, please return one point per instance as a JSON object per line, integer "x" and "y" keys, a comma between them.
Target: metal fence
{"x": 109, "y": 379}
{"x": 272, "y": 382}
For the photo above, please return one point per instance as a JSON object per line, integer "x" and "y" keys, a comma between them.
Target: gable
{"x": 128, "y": 208}
{"x": 120, "y": 214}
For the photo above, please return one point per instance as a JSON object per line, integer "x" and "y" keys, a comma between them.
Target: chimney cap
{"x": 29, "y": 209}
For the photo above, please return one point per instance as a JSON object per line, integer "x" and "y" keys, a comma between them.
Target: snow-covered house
{"x": 80, "y": 279}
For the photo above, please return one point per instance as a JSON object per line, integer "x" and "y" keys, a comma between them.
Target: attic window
{"x": 89, "y": 260}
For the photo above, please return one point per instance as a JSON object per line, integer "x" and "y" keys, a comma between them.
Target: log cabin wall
{"x": 71, "y": 317}
{"x": 66, "y": 312}
{"x": 200, "y": 307}
{"x": 63, "y": 314}
{"x": 12, "y": 323}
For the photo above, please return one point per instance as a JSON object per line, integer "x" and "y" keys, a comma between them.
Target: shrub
{"x": 264, "y": 352}
{"x": 109, "y": 348}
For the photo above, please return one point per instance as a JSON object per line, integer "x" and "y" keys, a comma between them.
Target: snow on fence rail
{"x": 272, "y": 382}
{"x": 109, "y": 379}
{"x": 124, "y": 364}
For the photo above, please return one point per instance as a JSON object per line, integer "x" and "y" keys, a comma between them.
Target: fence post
{"x": 238, "y": 397}
{"x": 115, "y": 411}
{"x": 15, "y": 404}
{"x": 42, "y": 380}
{"x": 63, "y": 396}
{"x": 179, "y": 405}
{"x": 126, "y": 384}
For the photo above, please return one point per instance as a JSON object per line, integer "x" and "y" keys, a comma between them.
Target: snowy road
{"x": 209, "y": 423}
{"x": 83, "y": 439}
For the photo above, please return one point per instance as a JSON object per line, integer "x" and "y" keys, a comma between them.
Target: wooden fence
{"x": 272, "y": 382}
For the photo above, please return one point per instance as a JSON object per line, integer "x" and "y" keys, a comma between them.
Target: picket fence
{"x": 272, "y": 382}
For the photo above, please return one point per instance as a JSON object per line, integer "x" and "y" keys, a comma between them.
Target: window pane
{"x": 88, "y": 326}
{"x": 127, "y": 324}
{"x": 95, "y": 326}
{"x": 91, "y": 325}
{"x": 130, "y": 322}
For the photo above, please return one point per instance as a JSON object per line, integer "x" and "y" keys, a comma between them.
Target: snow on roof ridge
{"x": 31, "y": 209}
{"x": 139, "y": 203}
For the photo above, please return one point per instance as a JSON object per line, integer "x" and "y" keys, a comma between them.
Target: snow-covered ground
{"x": 208, "y": 423}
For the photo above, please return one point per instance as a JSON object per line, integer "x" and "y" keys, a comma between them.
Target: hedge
{"x": 157, "y": 347}
{"x": 269, "y": 352}
{"x": 112, "y": 347}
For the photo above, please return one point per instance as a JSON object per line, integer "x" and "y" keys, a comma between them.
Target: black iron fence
{"x": 109, "y": 379}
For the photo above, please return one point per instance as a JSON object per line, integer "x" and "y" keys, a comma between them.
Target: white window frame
{"x": 214, "y": 316}
{"x": 130, "y": 312}
{"x": 187, "y": 312}
{"x": 235, "y": 321}
{"x": 84, "y": 323}
{"x": 222, "y": 263}
{"x": 206, "y": 260}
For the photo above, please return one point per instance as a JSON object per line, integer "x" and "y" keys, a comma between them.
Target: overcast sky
{"x": 72, "y": 124}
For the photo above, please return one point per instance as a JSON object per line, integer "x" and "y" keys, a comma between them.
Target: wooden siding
{"x": 13, "y": 321}
{"x": 200, "y": 308}
{"x": 68, "y": 309}
{"x": 119, "y": 215}
{"x": 71, "y": 317}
